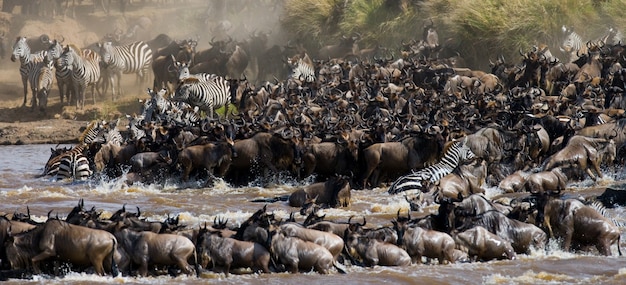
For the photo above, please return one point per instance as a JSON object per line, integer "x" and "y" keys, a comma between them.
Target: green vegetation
{"x": 475, "y": 28}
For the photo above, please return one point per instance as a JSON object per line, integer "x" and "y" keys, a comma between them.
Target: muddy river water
{"x": 19, "y": 187}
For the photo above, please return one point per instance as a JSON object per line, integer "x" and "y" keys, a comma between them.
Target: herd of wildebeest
{"x": 351, "y": 119}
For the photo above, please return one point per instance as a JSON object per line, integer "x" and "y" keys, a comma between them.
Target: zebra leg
{"x": 25, "y": 83}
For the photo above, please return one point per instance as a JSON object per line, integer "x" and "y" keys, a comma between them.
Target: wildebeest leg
{"x": 182, "y": 263}
{"x": 97, "y": 265}
{"x": 40, "y": 257}
{"x": 604, "y": 247}
{"x": 143, "y": 266}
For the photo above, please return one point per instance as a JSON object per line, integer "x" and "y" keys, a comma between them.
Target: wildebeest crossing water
{"x": 196, "y": 205}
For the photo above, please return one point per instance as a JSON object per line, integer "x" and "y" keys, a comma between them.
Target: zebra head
{"x": 106, "y": 52}
{"x": 465, "y": 153}
{"x": 55, "y": 50}
{"x": 68, "y": 57}
{"x": 20, "y": 49}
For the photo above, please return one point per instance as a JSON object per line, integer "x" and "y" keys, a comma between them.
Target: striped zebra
{"x": 573, "y": 44}
{"x": 74, "y": 165}
{"x": 184, "y": 73}
{"x": 132, "y": 58}
{"x": 44, "y": 79}
{"x": 62, "y": 73}
{"x": 458, "y": 152}
{"x": 207, "y": 96}
{"x": 69, "y": 163}
{"x": 30, "y": 64}
{"x": 85, "y": 68}
{"x": 303, "y": 69}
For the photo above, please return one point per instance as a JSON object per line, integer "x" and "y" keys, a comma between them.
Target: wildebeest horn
{"x": 364, "y": 222}
{"x": 138, "y": 212}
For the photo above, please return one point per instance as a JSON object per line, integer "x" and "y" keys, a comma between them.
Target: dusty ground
{"x": 63, "y": 124}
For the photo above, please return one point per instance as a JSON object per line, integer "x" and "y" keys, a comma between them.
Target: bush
{"x": 477, "y": 29}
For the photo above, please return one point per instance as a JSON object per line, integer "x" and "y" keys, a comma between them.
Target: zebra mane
{"x": 76, "y": 49}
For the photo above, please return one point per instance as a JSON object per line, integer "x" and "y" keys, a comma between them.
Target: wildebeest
{"x": 583, "y": 153}
{"x": 522, "y": 236}
{"x": 328, "y": 240}
{"x": 374, "y": 252}
{"x": 208, "y": 156}
{"x": 420, "y": 242}
{"x": 577, "y": 224}
{"x": 333, "y": 193}
{"x": 540, "y": 182}
{"x": 76, "y": 244}
{"x": 263, "y": 152}
{"x": 231, "y": 253}
{"x": 464, "y": 180}
{"x": 481, "y": 244}
{"x": 398, "y": 158}
{"x": 298, "y": 254}
{"x": 148, "y": 248}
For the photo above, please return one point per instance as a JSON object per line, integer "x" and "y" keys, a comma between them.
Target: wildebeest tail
{"x": 114, "y": 270}
{"x": 339, "y": 267}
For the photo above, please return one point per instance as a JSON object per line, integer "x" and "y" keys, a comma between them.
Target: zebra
{"x": 74, "y": 164}
{"x": 43, "y": 83}
{"x": 132, "y": 58}
{"x": 207, "y": 96}
{"x": 30, "y": 64}
{"x": 85, "y": 68}
{"x": 184, "y": 73}
{"x": 458, "y": 152}
{"x": 303, "y": 69}
{"x": 63, "y": 74}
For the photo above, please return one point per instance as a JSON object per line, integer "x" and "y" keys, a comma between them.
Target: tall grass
{"x": 474, "y": 28}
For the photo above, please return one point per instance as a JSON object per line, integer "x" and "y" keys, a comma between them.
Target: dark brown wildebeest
{"x": 148, "y": 248}
{"x": 420, "y": 242}
{"x": 76, "y": 244}
{"x": 333, "y": 193}
{"x": 522, "y": 236}
{"x": 331, "y": 158}
{"x": 393, "y": 159}
{"x": 513, "y": 182}
{"x": 330, "y": 241}
{"x": 464, "y": 180}
{"x": 577, "y": 224}
{"x": 264, "y": 152}
{"x": 208, "y": 156}
{"x": 15, "y": 227}
{"x": 298, "y": 254}
{"x": 583, "y": 153}
{"x": 545, "y": 181}
{"x": 481, "y": 244}
{"x": 374, "y": 252}
{"x": 231, "y": 253}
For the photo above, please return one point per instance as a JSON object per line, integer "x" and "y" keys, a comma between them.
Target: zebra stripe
{"x": 303, "y": 71}
{"x": 457, "y": 153}
{"x": 207, "y": 96}
{"x": 70, "y": 163}
{"x": 74, "y": 165}
{"x": 132, "y": 58}
{"x": 43, "y": 83}
{"x": 184, "y": 73}
{"x": 85, "y": 70}
{"x": 30, "y": 64}
{"x": 63, "y": 73}
{"x": 573, "y": 44}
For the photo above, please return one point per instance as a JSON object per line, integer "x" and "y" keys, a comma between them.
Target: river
{"x": 20, "y": 187}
